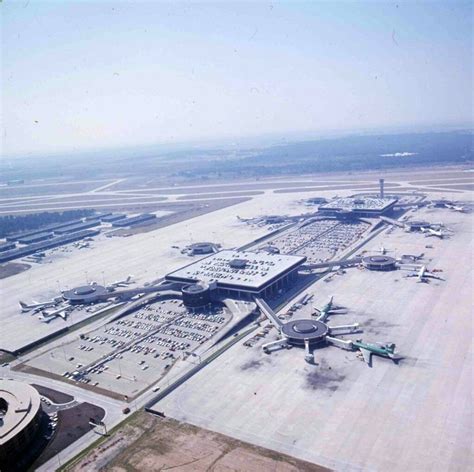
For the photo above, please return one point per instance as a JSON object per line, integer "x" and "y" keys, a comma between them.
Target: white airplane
{"x": 453, "y": 207}
{"x": 423, "y": 275}
{"x": 122, "y": 283}
{"x": 46, "y": 316}
{"x": 432, "y": 232}
{"x": 36, "y": 306}
{"x": 82, "y": 245}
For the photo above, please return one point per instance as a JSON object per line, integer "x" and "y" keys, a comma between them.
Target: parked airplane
{"x": 38, "y": 305}
{"x": 46, "y": 316}
{"x": 322, "y": 313}
{"x": 432, "y": 232}
{"x": 379, "y": 349}
{"x": 423, "y": 275}
{"x": 453, "y": 207}
{"x": 447, "y": 204}
{"x": 122, "y": 283}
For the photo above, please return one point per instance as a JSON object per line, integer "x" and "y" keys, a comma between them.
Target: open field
{"x": 150, "y": 443}
{"x": 135, "y": 193}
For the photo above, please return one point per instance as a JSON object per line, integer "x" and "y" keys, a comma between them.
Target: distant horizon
{"x": 80, "y": 76}
{"x": 256, "y": 141}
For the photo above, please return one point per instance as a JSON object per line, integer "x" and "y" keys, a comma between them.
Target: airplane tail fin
{"x": 23, "y": 305}
{"x": 391, "y": 350}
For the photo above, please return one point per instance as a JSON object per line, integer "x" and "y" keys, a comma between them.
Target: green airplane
{"x": 323, "y": 313}
{"x": 379, "y": 349}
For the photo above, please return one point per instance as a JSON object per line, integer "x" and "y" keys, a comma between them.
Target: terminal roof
{"x": 260, "y": 269}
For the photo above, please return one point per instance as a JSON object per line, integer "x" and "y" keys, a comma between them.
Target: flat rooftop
{"x": 359, "y": 204}
{"x": 238, "y": 269}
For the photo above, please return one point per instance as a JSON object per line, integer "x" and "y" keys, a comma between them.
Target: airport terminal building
{"x": 241, "y": 274}
{"x": 368, "y": 207}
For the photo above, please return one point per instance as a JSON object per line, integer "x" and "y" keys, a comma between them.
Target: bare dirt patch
{"x": 12, "y": 268}
{"x": 152, "y": 444}
{"x": 53, "y": 395}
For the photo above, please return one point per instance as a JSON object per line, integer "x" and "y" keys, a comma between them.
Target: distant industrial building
{"x": 76, "y": 227}
{"x": 43, "y": 229}
{"x": 7, "y": 246}
{"x": 47, "y": 244}
{"x": 241, "y": 274}
{"x": 98, "y": 216}
{"x": 35, "y": 238}
{"x": 134, "y": 220}
{"x": 358, "y": 206}
{"x": 20, "y": 416}
{"x": 113, "y": 217}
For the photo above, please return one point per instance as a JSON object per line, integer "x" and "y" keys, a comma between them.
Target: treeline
{"x": 12, "y": 224}
{"x": 347, "y": 154}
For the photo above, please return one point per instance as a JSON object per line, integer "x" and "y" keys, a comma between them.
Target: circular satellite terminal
{"x": 297, "y": 331}
{"x": 379, "y": 263}
{"x": 238, "y": 263}
{"x": 85, "y": 294}
{"x": 202, "y": 248}
{"x": 85, "y": 290}
{"x": 271, "y": 249}
{"x": 305, "y": 326}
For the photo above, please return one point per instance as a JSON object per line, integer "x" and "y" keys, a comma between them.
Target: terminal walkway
{"x": 268, "y": 312}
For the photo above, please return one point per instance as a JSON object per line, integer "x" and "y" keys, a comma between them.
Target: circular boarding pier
{"x": 299, "y": 331}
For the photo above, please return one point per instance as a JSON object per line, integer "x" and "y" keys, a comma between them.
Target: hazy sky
{"x": 81, "y": 75}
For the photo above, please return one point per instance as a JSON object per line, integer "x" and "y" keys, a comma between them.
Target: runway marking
{"x": 103, "y": 187}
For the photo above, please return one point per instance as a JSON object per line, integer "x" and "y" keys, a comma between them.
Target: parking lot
{"x": 133, "y": 352}
{"x": 320, "y": 240}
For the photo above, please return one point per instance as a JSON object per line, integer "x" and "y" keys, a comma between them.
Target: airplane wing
{"x": 367, "y": 355}
{"x": 433, "y": 276}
